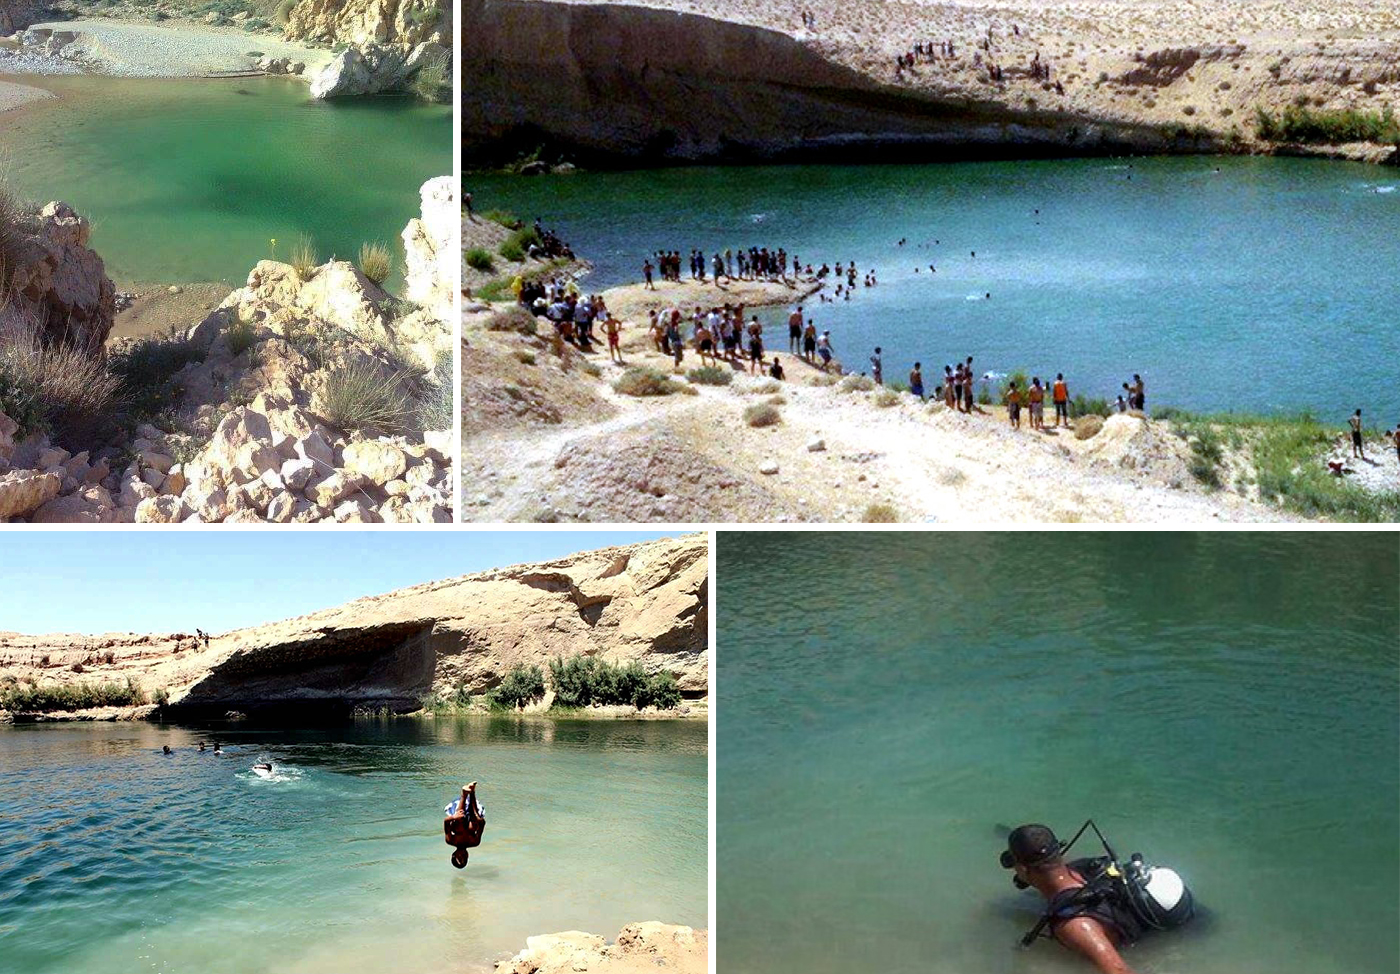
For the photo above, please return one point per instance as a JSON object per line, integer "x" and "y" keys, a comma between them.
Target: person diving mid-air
{"x": 464, "y": 822}
{"x": 1095, "y": 905}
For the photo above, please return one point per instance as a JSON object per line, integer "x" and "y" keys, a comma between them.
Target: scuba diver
{"x": 1094, "y": 905}
{"x": 464, "y": 822}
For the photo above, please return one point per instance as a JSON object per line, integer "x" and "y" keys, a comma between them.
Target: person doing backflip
{"x": 464, "y": 821}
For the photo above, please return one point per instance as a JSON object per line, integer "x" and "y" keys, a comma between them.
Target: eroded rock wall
{"x": 629, "y": 81}
{"x": 405, "y": 23}
{"x": 55, "y": 281}
{"x": 646, "y": 602}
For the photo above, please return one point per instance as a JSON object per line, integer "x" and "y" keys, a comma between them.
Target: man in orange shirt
{"x": 1060, "y": 394}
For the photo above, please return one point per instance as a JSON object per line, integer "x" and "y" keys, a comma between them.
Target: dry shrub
{"x": 762, "y": 414}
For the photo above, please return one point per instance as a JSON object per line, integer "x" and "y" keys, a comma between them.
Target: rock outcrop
{"x": 405, "y": 23}
{"x": 56, "y": 280}
{"x": 429, "y": 257}
{"x": 645, "y": 602}
{"x": 370, "y": 69}
{"x": 639, "y": 948}
{"x": 15, "y": 15}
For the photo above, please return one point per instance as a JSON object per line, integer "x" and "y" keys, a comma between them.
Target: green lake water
{"x": 190, "y": 180}
{"x": 1227, "y": 704}
{"x": 115, "y": 858}
{"x": 1245, "y": 284}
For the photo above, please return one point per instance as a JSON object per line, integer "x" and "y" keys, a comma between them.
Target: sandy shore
{"x": 13, "y": 95}
{"x": 549, "y": 438}
{"x": 154, "y": 310}
{"x": 160, "y": 51}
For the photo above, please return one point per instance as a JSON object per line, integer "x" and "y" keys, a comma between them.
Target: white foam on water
{"x": 278, "y": 773}
{"x": 758, "y": 217}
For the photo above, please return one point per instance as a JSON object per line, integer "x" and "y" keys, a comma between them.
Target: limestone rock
{"x": 8, "y": 429}
{"x": 330, "y": 491}
{"x": 646, "y": 602}
{"x": 296, "y": 474}
{"x": 816, "y": 445}
{"x": 356, "y": 511}
{"x": 402, "y": 22}
{"x": 21, "y": 491}
{"x": 60, "y": 282}
{"x": 366, "y": 69}
{"x": 163, "y": 509}
{"x": 378, "y": 462}
{"x": 429, "y": 257}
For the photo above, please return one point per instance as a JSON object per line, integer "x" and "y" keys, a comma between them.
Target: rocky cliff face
{"x": 17, "y": 15}
{"x": 645, "y": 602}
{"x": 632, "y": 81}
{"x": 55, "y": 280}
{"x": 405, "y": 23}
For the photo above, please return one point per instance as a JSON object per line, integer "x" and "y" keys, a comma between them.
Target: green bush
{"x": 884, "y": 398}
{"x": 435, "y": 408}
{"x": 1297, "y": 123}
{"x": 1084, "y": 406}
{"x": 515, "y": 318}
{"x": 240, "y": 336}
{"x": 58, "y": 389}
{"x": 284, "y": 10}
{"x": 145, "y": 368}
{"x": 710, "y": 375}
{"x": 522, "y": 685}
{"x": 72, "y": 696}
{"x": 762, "y": 414}
{"x": 376, "y": 262}
{"x": 517, "y": 245}
{"x": 304, "y": 259}
{"x": 583, "y": 681}
{"x": 479, "y": 259}
{"x": 433, "y": 81}
{"x": 365, "y": 396}
{"x": 642, "y": 381}
{"x": 504, "y": 217}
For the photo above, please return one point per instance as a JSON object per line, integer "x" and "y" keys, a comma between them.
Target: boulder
{"x": 164, "y": 509}
{"x": 21, "y": 491}
{"x": 296, "y": 474}
{"x": 340, "y": 293}
{"x": 366, "y": 69}
{"x": 92, "y": 506}
{"x": 8, "y": 429}
{"x": 316, "y": 448}
{"x": 237, "y": 430}
{"x": 60, "y": 283}
{"x": 375, "y": 460}
{"x": 356, "y": 511}
{"x": 282, "y": 507}
{"x": 330, "y": 491}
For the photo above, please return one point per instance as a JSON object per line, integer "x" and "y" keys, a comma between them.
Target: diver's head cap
{"x": 1029, "y": 845}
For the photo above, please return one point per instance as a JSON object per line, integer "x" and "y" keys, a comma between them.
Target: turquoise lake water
{"x": 1226, "y": 703}
{"x": 114, "y": 858}
{"x": 190, "y": 180}
{"x": 1228, "y": 283}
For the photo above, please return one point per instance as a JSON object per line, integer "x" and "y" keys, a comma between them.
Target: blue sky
{"x": 105, "y": 581}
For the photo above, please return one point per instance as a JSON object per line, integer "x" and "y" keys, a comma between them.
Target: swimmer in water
{"x": 464, "y": 821}
{"x": 263, "y": 767}
{"x": 166, "y": 749}
{"x": 217, "y": 749}
{"x": 201, "y": 747}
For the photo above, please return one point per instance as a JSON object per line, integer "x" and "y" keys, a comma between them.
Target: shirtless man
{"x": 1035, "y": 395}
{"x": 613, "y": 329}
{"x": 1357, "y": 449}
{"x": 1013, "y": 406}
{"x": 464, "y": 822}
{"x": 1034, "y": 853}
{"x": 795, "y": 329}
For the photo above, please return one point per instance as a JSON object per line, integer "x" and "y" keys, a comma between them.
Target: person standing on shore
{"x": 877, "y": 367}
{"x": 795, "y": 330}
{"x": 647, "y": 269}
{"x": 948, "y": 389}
{"x": 755, "y": 346}
{"x": 1395, "y": 435}
{"x": 809, "y": 342}
{"x": 824, "y": 349}
{"x": 1139, "y": 394}
{"x": 1060, "y": 393}
{"x": 916, "y": 381}
{"x": 1357, "y": 448}
{"x": 1036, "y": 396}
{"x": 468, "y": 199}
{"x": 613, "y": 329}
{"x": 1013, "y": 406}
